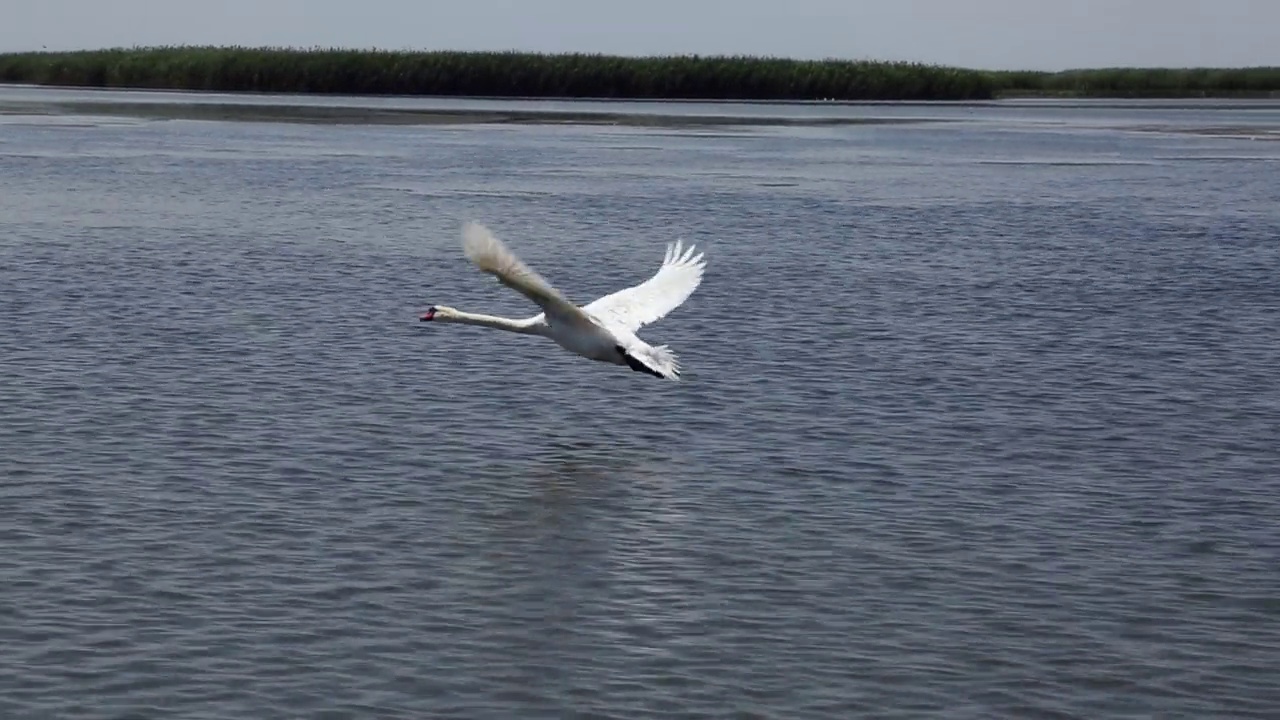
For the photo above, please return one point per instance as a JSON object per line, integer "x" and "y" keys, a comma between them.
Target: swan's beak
{"x": 428, "y": 315}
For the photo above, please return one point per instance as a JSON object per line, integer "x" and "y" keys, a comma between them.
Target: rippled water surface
{"x": 980, "y": 419}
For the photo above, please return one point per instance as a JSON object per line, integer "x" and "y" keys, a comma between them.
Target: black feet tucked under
{"x": 636, "y": 365}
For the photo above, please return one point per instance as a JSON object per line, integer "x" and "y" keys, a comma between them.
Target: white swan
{"x": 604, "y": 330}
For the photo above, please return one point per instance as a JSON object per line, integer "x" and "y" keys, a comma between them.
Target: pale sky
{"x": 993, "y": 34}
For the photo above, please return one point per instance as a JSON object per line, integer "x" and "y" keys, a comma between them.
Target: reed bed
{"x": 515, "y": 74}
{"x": 1144, "y": 82}
{"x": 498, "y": 74}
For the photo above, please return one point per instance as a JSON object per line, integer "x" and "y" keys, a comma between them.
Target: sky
{"x": 992, "y": 34}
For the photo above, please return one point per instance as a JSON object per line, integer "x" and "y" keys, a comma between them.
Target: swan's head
{"x": 437, "y": 312}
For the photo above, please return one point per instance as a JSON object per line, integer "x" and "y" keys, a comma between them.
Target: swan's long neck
{"x": 527, "y": 326}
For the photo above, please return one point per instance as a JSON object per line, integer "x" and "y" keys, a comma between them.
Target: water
{"x": 979, "y": 419}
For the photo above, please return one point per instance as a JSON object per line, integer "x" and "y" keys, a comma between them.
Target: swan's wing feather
{"x": 637, "y": 306}
{"x": 489, "y": 254}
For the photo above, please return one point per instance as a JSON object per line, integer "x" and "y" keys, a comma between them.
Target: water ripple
{"x": 966, "y": 433}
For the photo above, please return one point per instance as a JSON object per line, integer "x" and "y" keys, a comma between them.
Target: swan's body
{"x": 604, "y": 330}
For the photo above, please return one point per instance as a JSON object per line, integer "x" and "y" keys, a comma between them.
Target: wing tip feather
{"x": 479, "y": 244}
{"x": 679, "y": 255}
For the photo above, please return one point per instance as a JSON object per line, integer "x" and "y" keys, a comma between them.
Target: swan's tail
{"x": 655, "y": 360}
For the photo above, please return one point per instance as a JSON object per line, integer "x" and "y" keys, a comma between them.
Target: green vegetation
{"x": 1143, "y": 82}
{"x": 506, "y": 74}
{"x": 512, "y": 74}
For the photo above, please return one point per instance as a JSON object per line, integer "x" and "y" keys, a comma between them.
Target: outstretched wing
{"x": 489, "y": 254}
{"x": 648, "y": 302}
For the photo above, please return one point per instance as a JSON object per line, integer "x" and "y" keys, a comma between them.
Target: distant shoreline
{"x": 603, "y": 77}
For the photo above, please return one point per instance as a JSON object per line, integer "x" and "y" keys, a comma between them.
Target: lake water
{"x": 980, "y": 418}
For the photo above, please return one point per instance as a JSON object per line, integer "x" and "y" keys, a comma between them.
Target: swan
{"x": 604, "y": 330}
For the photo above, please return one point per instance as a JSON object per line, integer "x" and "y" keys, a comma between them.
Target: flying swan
{"x": 604, "y": 330}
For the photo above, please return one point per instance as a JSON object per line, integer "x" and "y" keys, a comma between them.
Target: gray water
{"x": 979, "y": 419}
